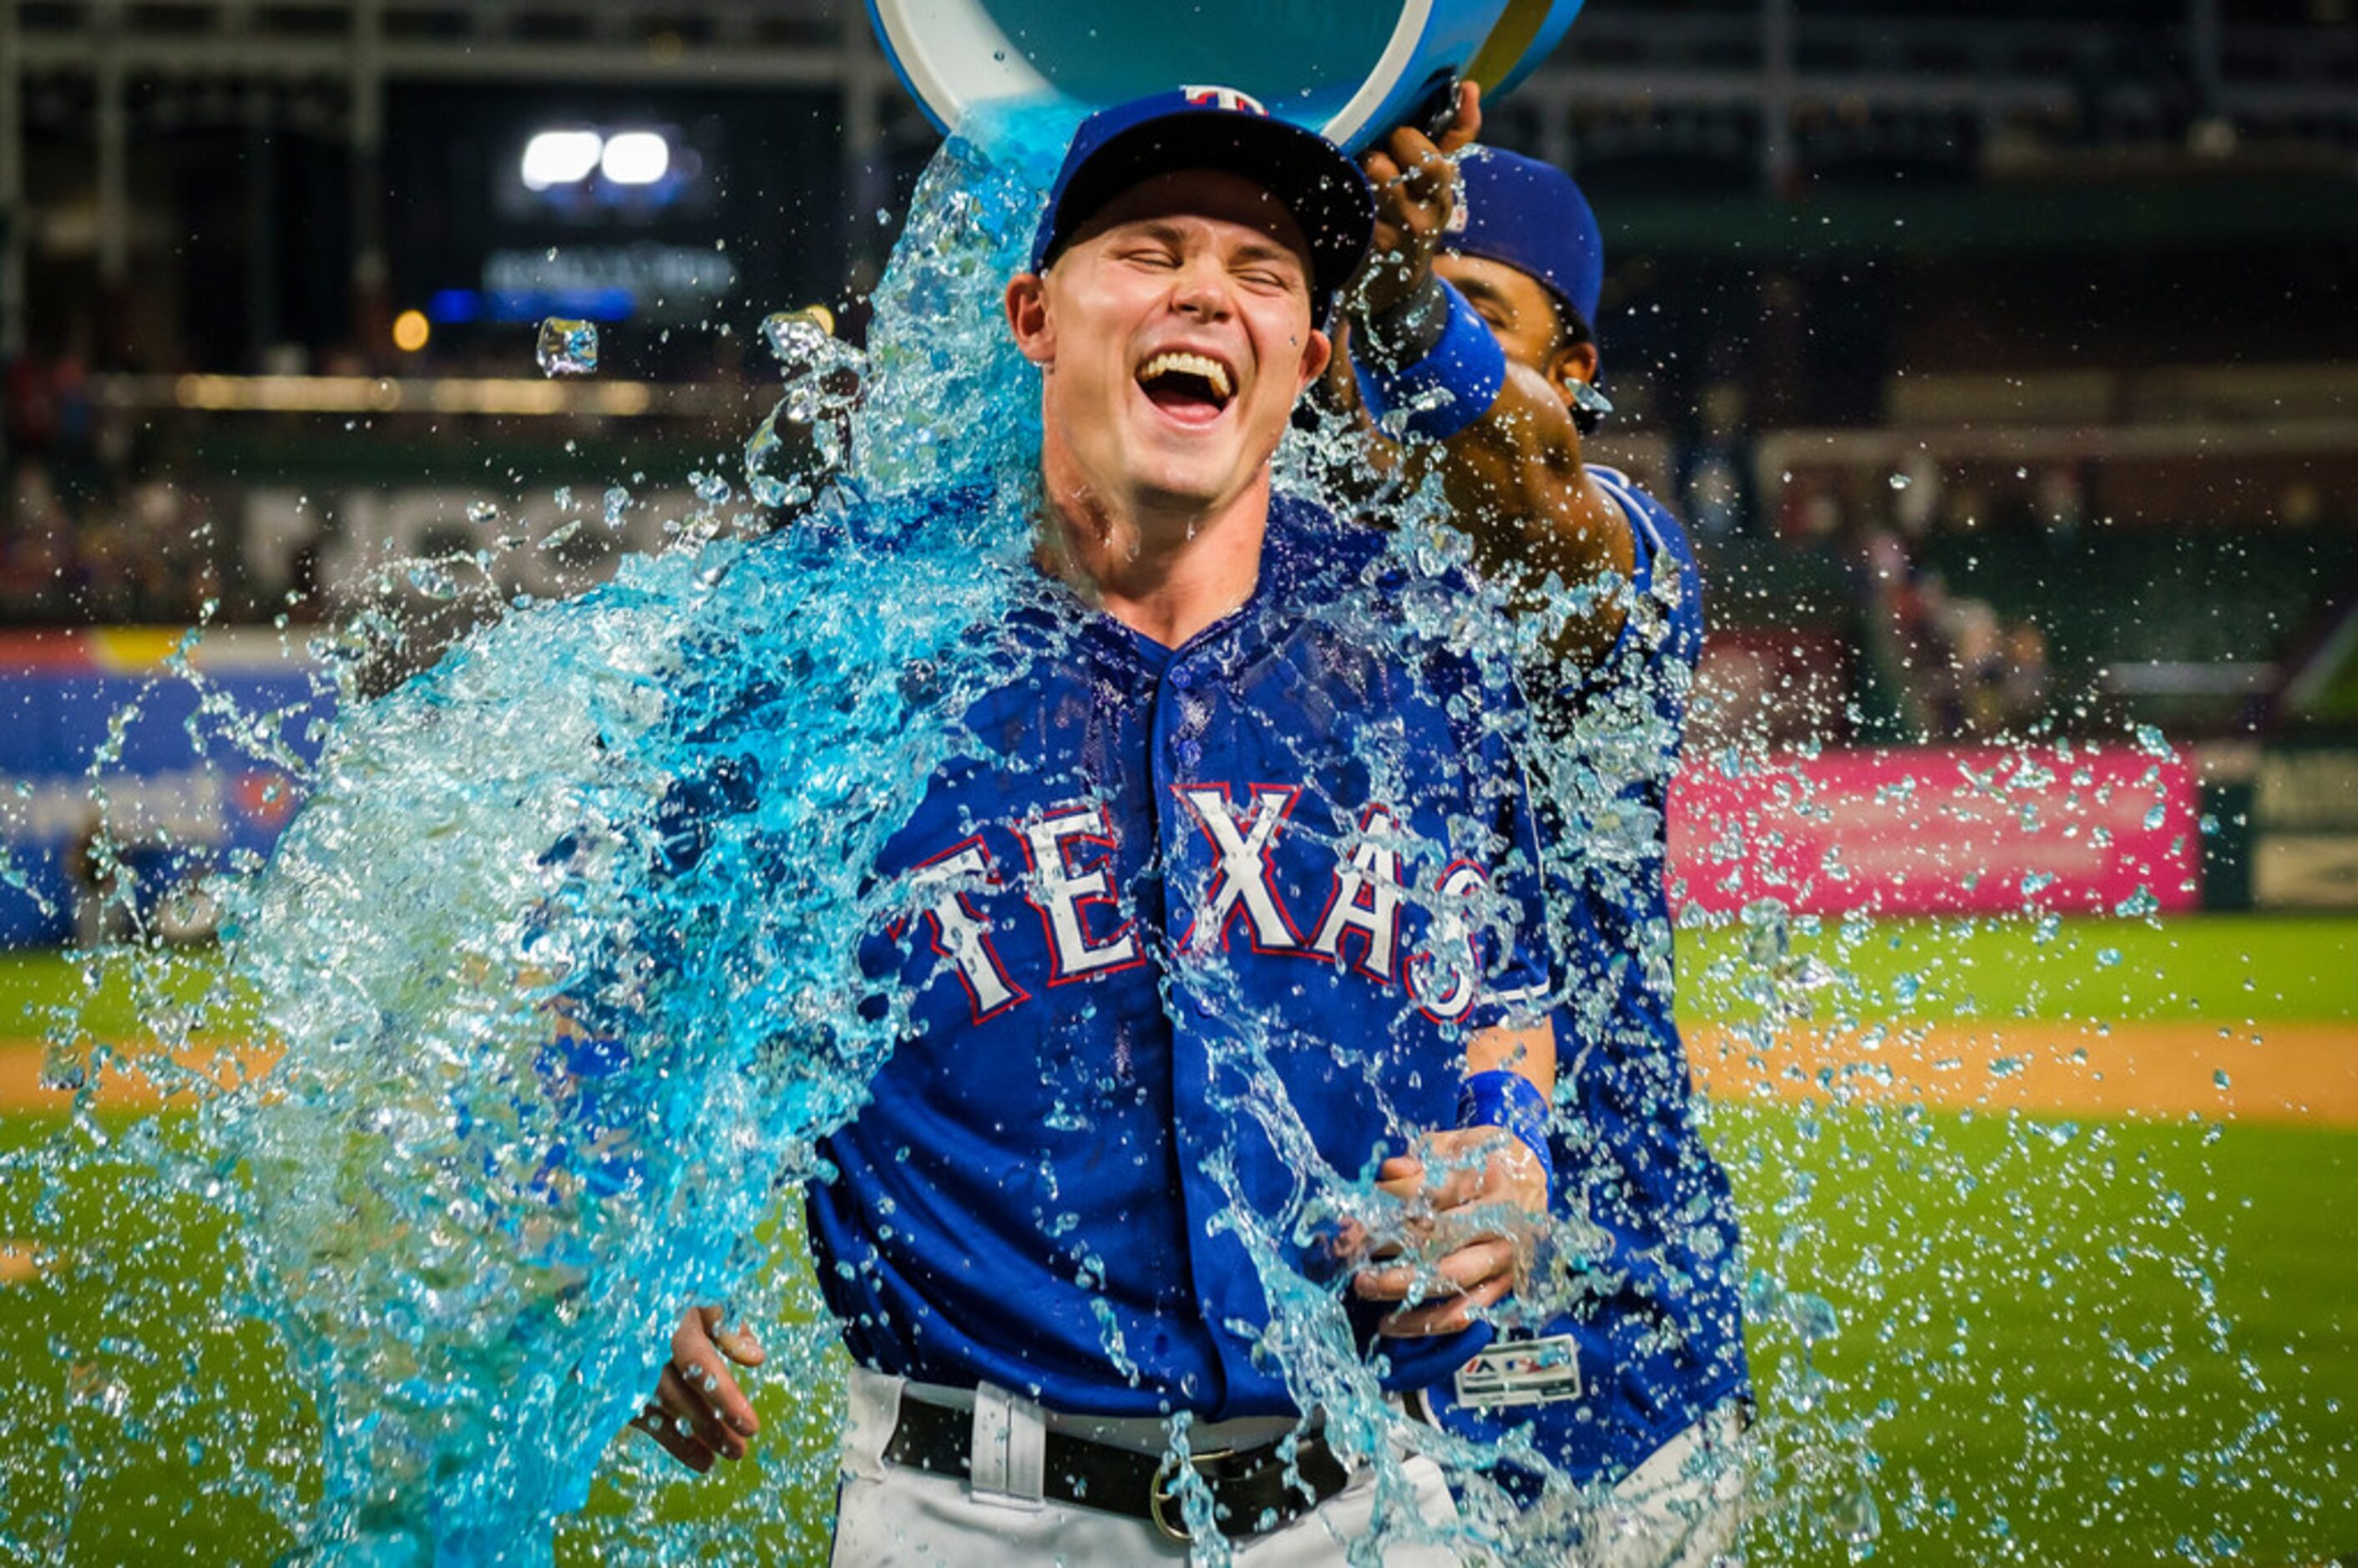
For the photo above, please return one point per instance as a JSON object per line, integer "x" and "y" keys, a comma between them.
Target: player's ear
{"x": 1027, "y": 317}
{"x": 1572, "y": 361}
{"x": 1317, "y": 350}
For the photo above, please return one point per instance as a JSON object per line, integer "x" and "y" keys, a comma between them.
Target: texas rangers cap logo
{"x": 1225, "y": 98}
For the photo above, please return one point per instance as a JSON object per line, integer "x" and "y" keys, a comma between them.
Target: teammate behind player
{"x": 1488, "y": 270}
{"x": 1163, "y": 985}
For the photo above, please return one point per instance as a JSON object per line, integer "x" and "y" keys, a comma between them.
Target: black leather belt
{"x": 1253, "y": 1489}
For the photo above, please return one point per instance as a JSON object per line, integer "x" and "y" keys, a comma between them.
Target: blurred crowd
{"x": 109, "y": 521}
{"x": 1939, "y": 600}
{"x": 99, "y": 527}
{"x": 1958, "y": 668}
{"x": 1961, "y": 670}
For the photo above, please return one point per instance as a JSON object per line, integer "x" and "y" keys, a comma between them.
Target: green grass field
{"x": 2083, "y": 1341}
{"x": 2277, "y": 968}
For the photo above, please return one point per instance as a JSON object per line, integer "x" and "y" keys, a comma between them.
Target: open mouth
{"x": 1193, "y": 386}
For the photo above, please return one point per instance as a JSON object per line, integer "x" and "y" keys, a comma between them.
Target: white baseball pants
{"x": 890, "y": 1515}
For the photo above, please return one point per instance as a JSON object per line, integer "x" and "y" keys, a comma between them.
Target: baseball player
{"x": 1491, "y": 263}
{"x": 1229, "y": 905}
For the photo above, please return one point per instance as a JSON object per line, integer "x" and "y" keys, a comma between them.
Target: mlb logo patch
{"x": 1225, "y": 98}
{"x": 1521, "y": 1372}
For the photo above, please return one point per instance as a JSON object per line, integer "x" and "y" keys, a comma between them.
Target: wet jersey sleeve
{"x": 1520, "y": 955}
{"x": 1663, "y": 596}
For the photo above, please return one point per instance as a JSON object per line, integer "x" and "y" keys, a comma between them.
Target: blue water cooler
{"x": 1351, "y": 68}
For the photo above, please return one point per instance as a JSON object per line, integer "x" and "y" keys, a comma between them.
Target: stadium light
{"x": 635, "y": 157}
{"x": 560, "y": 158}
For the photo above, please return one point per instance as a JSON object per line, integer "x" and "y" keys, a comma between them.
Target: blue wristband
{"x": 1509, "y": 1101}
{"x": 1448, "y": 389}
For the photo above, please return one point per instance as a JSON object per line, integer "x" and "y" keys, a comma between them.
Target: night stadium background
{"x": 2003, "y": 359}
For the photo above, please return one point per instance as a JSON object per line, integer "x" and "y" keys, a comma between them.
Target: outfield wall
{"x": 176, "y": 750}
{"x": 200, "y": 740}
{"x": 1941, "y": 830}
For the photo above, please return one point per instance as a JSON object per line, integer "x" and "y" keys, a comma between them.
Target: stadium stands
{"x": 2005, "y": 371}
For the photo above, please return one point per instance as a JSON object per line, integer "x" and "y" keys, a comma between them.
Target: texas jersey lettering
{"x": 1061, "y": 866}
{"x": 1184, "y": 937}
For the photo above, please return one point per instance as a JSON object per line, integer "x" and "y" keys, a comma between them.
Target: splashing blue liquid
{"x": 545, "y": 1073}
{"x": 558, "y": 963}
{"x": 547, "y": 1064}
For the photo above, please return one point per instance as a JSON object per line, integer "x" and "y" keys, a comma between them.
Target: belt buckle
{"x": 1159, "y": 1490}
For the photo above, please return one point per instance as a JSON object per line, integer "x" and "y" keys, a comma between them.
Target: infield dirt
{"x": 2305, "y": 1072}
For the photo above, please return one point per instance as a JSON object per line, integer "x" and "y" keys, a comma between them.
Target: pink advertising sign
{"x": 1940, "y": 830}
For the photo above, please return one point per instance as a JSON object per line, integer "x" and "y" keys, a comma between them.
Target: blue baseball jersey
{"x": 1665, "y": 1344}
{"x": 1186, "y": 937}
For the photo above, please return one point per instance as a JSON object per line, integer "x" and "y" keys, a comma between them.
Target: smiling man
{"x": 1217, "y": 944}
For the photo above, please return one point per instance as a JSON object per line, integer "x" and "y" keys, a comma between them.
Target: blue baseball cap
{"x": 1530, "y": 216}
{"x": 1215, "y": 127}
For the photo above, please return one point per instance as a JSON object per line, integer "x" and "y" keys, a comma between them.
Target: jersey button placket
{"x": 1176, "y": 756}
{"x": 1187, "y": 751}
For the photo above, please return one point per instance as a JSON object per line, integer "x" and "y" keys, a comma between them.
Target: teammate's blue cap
{"x": 1530, "y": 216}
{"x": 1215, "y": 127}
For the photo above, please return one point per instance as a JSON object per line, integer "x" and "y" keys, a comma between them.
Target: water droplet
{"x": 769, "y": 472}
{"x": 482, "y": 513}
{"x": 433, "y": 580}
{"x": 568, "y": 347}
{"x": 1900, "y": 482}
{"x": 618, "y": 501}
{"x": 560, "y": 534}
{"x": 798, "y": 338}
{"x": 2140, "y": 903}
{"x": 1855, "y": 1519}
{"x": 1767, "y": 934}
{"x": 64, "y": 1076}
{"x": 1812, "y": 1317}
{"x": 2219, "y": 1078}
{"x": 2108, "y": 958}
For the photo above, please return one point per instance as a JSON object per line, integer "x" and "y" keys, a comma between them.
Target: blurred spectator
{"x": 1961, "y": 671}
{"x": 1715, "y": 470}
{"x": 123, "y": 551}
{"x": 1916, "y": 501}
{"x": 32, "y": 406}
{"x": 40, "y": 571}
{"x": 2061, "y": 505}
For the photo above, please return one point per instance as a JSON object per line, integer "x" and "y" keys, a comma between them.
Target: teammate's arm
{"x": 1514, "y": 476}
{"x": 1478, "y": 1183}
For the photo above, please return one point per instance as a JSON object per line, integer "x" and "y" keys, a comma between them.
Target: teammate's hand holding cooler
{"x": 1178, "y": 971}
{"x": 1474, "y": 338}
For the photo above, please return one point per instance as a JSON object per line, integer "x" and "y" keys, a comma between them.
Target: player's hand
{"x": 1416, "y": 188}
{"x": 1478, "y": 1197}
{"x": 698, "y": 1412}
